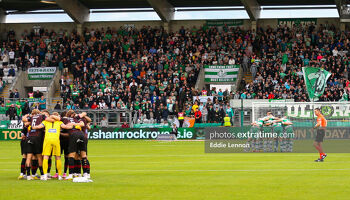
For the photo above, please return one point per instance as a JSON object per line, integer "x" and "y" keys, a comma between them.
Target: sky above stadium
{"x": 142, "y": 16}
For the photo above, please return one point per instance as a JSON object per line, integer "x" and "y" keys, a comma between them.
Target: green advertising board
{"x": 221, "y": 73}
{"x": 228, "y": 22}
{"x": 151, "y": 125}
{"x": 299, "y": 133}
{"x": 10, "y": 134}
{"x": 142, "y": 133}
{"x": 297, "y": 21}
{"x": 41, "y": 73}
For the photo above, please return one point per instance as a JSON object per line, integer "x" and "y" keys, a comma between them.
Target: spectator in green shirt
{"x": 19, "y": 112}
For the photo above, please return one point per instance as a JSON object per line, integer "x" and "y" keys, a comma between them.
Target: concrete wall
{"x": 23, "y": 82}
{"x": 116, "y": 24}
{"x": 21, "y": 27}
{"x": 174, "y": 25}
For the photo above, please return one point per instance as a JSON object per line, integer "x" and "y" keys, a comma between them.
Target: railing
{"x": 15, "y": 80}
{"x": 200, "y": 79}
{"x": 50, "y": 102}
{"x": 115, "y": 118}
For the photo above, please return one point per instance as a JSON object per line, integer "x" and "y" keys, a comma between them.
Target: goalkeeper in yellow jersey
{"x": 52, "y": 142}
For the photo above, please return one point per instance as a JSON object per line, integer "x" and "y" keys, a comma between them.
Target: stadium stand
{"x": 281, "y": 53}
{"x": 154, "y": 72}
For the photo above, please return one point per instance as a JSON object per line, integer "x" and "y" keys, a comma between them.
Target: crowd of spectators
{"x": 154, "y": 72}
{"x": 279, "y": 55}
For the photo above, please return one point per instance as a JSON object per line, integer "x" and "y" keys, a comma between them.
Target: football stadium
{"x": 174, "y": 99}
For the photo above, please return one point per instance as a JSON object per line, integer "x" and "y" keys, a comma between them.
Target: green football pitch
{"x": 132, "y": 169}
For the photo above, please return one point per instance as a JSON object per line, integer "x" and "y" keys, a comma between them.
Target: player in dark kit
{"x": 64, "y": 140}
{"x": 24, "y": 133}
{"x": 34, "y": 141}
{"x": 87, "y": 120}
{"x": 77, "y": 142}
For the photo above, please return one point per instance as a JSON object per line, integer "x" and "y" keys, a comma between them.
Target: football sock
{"x": 66, "y": 162}
{"x": 28, "y": 171}
{"x": 35, "y": 164}
{"x": 75, "y": 166}
{"x": 88, "y": 166}
{"x": 23, "y": 166}
{"x": 41, "y": 170}
{"x": 78, "y": 167}
{"x": 45, "y": 165}
{"x": 71, "y": 166}
{"x": 59, "y": 167}
{"x": 322, "y": 154}
{"x": 85, "y": 165}
{"x": 49, "y": 165}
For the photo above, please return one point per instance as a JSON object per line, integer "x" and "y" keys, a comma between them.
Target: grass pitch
{"x": 132, "y": 169}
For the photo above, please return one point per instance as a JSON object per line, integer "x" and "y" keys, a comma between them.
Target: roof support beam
{"x": 2, "y": 15}
{"x": 163, "y": 8}
{"x": 253, "y": 9}
{"x": 75, "y": 9}
{"x": 343, "y": 10}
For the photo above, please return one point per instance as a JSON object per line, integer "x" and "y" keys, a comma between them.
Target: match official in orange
{"x": 321, "y": 130}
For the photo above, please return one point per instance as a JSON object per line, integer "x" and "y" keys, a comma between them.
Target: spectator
{"x": 37, "y": 94}
{"x": 42, "y": 103}
{"x": 94, "y": 106}
{"x": 204, "y": 114}
{"x": 12, "y": 94}
{"x": 12, "y": 72}
{"x": 227, "y": 120}
{"x": 12, "y": 112}
{"x": 19, "y": 113}
{"x": 16, "y": 94}
{"x": 198, "y": 116}
{"x": 104, "y": 122}
{"x": 26, "y": 108}
{"x": 1, "y": 85}
{"x": 230, "y": 113}
{"x": 58, "y": 106}
{"x": 125, "y": 125}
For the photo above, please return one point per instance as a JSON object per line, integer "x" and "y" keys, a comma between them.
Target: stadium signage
{"x": 151, "y": 126}
{"x": 41, "y": 73}
{"x": 331, "y": 133}
{"x": 15, "y": 125}
{"x": 10, "y": 134}
{"x": 132, "y": 133}
{"x": 203, "y": 99}
{"x": 221, "y": 73}
{"x": 228, "y": 22}
{"x": 296, "y": 21}
{"x": 329, "y": 111}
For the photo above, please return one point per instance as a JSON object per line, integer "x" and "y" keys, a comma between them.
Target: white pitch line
{"x": 206, "y": 170}
{"x": 217, "y": 170}
{"x": 211, "y": 155}
{"x": 163, "y": 145}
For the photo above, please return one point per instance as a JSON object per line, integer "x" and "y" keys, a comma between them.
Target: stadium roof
{"x": 79, "y": 10}
{"x": 28, "y": 5}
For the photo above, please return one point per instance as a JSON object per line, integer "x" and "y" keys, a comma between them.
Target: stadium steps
{"x": 5, "y": 92}
{"x": 248, "y": 77}
{"x": 57, "y": 95}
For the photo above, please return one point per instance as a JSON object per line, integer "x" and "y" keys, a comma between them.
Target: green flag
{"x": 316, "y": 81}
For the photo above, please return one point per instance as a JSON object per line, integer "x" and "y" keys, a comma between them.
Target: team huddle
{"x": 271, "y": 124}
{"x": 45, "y": 136}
